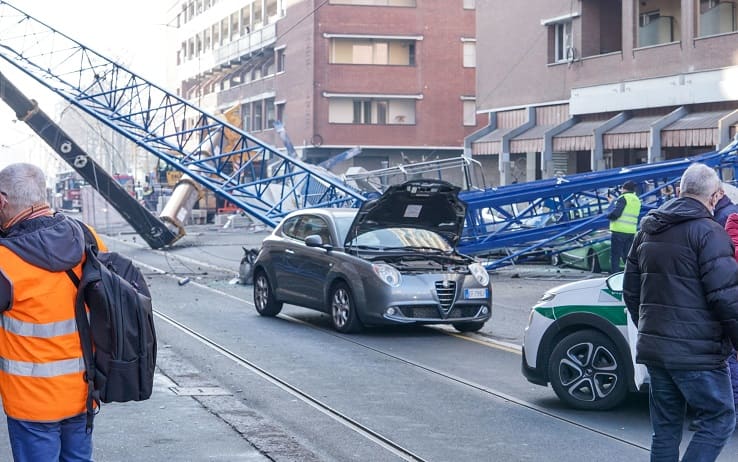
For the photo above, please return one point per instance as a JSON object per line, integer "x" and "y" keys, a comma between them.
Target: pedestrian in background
{"x": 41, "y": 364}
{"x": 681, "y": 290}
{"x": 623, "y": 216}
{"x": 731, "y": 226}
{"x": 724, "y": 208}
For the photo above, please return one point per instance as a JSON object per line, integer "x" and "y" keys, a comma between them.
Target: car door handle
{"x": 289, "y": 251}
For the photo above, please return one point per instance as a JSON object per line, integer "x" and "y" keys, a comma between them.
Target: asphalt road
{"x": 437, "y": 394}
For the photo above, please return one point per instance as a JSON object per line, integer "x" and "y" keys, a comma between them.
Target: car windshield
{"x": 401, "y": 239}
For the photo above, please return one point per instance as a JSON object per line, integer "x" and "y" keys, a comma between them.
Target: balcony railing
{"x": 658, "y": 30}
{"x": 229, "y": 52}
{"x": 719, "y": 19}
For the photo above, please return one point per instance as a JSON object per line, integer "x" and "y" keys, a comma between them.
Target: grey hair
{"x": 699, "y": 181}
{"x": 25, "y": 185}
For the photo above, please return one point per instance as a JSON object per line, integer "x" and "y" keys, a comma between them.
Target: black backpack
{"x": 121, "y": 327}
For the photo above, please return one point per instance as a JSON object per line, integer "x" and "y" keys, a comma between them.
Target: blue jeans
{"x": 63, "y": 441}
{"x": 709, "y": 393}
{"x": 619, "y": 247}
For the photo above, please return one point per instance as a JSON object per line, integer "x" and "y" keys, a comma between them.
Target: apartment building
{"x": 579, "y": 85}
{"x": 394, "y": 77}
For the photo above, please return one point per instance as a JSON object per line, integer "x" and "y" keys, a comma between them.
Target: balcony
{"x": 229, "y": 54}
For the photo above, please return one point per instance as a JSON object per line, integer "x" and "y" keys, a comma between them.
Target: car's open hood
{"x": 427, "y": 204}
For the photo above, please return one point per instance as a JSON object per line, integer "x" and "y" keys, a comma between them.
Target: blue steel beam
{"x": 255, "y": 177}
{"x": 550, "y": 215}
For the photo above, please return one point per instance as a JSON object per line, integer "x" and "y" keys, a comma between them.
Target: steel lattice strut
{"x": 257, "y": 178}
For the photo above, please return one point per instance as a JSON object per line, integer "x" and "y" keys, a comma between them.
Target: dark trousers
{"x": 708, "y": 393}
{"x": 619, "y": 247}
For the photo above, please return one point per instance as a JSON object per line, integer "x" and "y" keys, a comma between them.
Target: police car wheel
{"x": 587, "y": 372}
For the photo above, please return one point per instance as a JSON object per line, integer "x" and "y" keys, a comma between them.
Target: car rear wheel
{"x": 468, "y": 326}
{"x": 594, "y": 261}
{"x": 264, "y": 301}
{"x": 587, "y": 372}
{"x": 343, "y": 310}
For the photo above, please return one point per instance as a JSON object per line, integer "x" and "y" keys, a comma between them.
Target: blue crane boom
{"x": 255, "y": 177}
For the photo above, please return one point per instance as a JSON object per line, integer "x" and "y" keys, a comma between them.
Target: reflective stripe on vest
{"x": 627, "y": 222}
{"x": 50, "y": 369}
{"x": 30, "y": 329}
{"x": 41, "y": 362}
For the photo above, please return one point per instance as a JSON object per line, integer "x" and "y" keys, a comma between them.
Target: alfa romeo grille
{"x": 446, "y": 291}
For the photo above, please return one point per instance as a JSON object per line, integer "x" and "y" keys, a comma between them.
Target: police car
{"x": 580, "y": 339}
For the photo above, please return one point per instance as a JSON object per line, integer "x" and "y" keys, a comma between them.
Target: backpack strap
{"x": 85, "y": 336}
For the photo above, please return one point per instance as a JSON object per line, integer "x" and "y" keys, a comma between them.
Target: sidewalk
{"x": 167, "y": 427}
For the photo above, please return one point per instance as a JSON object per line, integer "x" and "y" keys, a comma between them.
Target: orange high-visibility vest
{"x": 41, "y": 369}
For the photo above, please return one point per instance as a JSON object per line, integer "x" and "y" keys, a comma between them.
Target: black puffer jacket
{"x": 681, "y": 288}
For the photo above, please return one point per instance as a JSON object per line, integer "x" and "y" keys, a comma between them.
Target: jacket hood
{"x": 672, "y": 213}
{"x": 427, "y": 204}
{"x": 53, "y": 243}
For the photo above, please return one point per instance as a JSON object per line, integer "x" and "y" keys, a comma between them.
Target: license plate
{"x": 475, "y": 293}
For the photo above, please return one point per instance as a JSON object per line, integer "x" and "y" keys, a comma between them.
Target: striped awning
{"x": 491, "y": 143}
{"x": 634, "y": 133}
{"x": 578, "y": 137}
{"x": 695, "y": 129}
{"x": 531, "y": 140}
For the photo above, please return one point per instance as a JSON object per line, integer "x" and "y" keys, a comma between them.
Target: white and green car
{"x": 580, "y": 339}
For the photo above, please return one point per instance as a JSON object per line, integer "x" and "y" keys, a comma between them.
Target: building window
{"x": 258, "y": 123}
{"x": 470, "y": 54}
{"x": 469, "y": 4}
{"x": 563, "y": 41}
{"x": 280, "y": 60}
{"x": 371, "y": 111}
{"x": 206, "y": 35}
{"x": 215, "y": 32}
{"x": 258, "y": 13}
{"x": 235, "y": 21}
{"x": 271, "y": 10}
{"x": 270, "y": 111}
{"x": 280, "y": 112}
{"x": 372, "y": 51}
{"x": 470, "y": 113}
{"x": 374, "y": 2}
{"x": 245, "y": 20}
{"x": 246, "y": 117}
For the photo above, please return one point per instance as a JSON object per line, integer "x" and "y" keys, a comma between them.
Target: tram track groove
{"x": 305, "y": 397}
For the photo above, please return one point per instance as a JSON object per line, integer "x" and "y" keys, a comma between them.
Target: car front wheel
{"x": 343, "y": 310}
{"x": 587, "y": 372}
{"x": 264, "y": 301}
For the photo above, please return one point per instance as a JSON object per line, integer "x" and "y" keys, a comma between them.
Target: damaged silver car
{"x": 393, "y": 261}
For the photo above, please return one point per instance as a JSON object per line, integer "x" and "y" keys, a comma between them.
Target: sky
{"x": 129, "y": 32}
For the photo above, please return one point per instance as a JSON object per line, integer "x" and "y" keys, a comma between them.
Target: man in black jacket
{"x": 681, "y": 289}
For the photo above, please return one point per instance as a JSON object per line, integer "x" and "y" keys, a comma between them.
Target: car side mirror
{"x": 314, "y": 240}
{"x": 615, "y": 282}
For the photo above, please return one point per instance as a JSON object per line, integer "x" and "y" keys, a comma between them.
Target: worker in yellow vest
{"x": 41, "y": 364}
{"x": 623, "y": 216}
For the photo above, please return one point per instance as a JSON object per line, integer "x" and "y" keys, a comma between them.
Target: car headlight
{"x": 480, "y": 273}
{"x": 387, "y": 274}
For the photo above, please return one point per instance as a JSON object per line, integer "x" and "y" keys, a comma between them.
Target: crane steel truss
{"x": 257, "y": 178}
{"x": 554, "y": 215}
